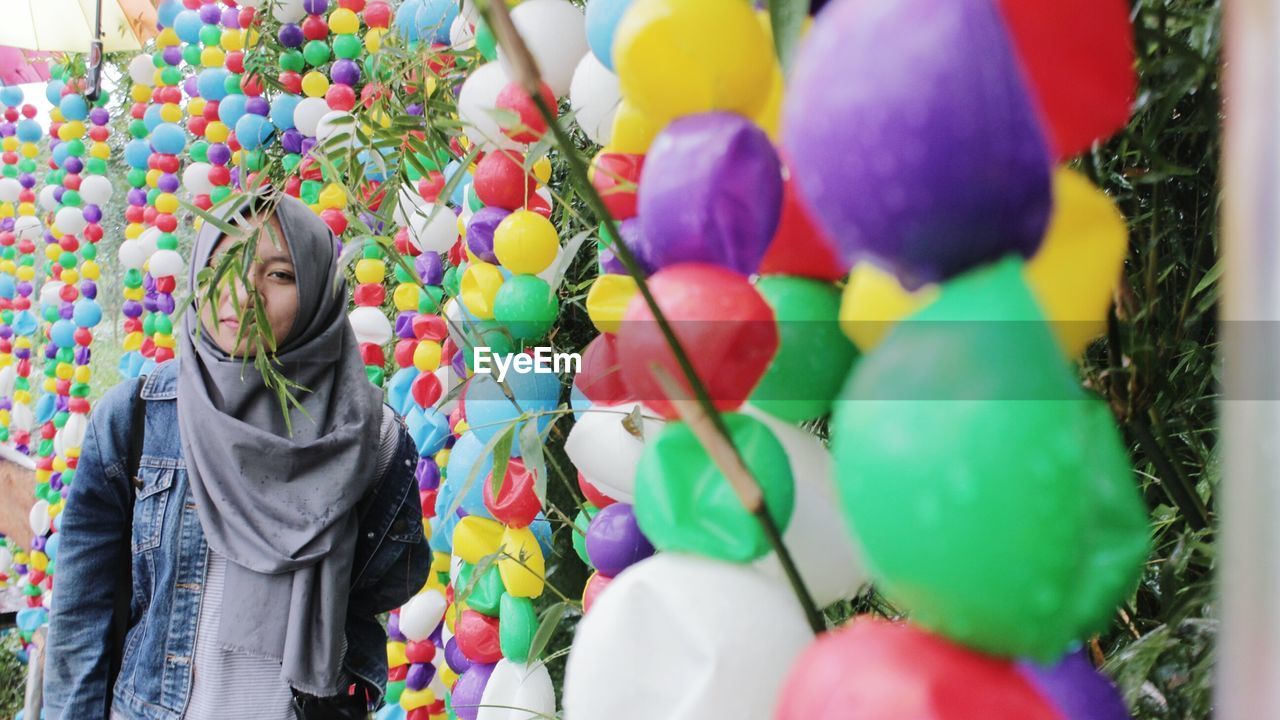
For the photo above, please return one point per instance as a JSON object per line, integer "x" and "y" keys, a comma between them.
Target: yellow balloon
{"x": 439, "y": 562}
{"x": 770, "y": 116}
{"x": 232, "y": 40}
{"x": 195, "y": 106}
{"x": 542, "y": 169}
{"x": 682, "y": 57}
{"x": 608, "y": 300}
{"x": 414, "y": 699}
{"x": 369, "y": 271}
{"x": 475, "y": 537}
{"x": 217, "y": 132}
{"x": 213, "y": 57}
{"x": 1075, "y": 273}
{"x": 480, "y": 285}
{"x": 167, "y": 203}
{"x": 170, "y": 112}
{"x": 633, "y": 131}
{"x": 426, "y": 356}
{"x": 167, "y": 37}
{"x": 874, "y": 302}
{"x": 521, "y": 565}
{"x": 140, "y": 93}
{"x": 405, "y": 297}
{"x": 526, "y": 242}
{"x": 396, "y": 654}
{"x": 343, "y": 22}
{"x": 315, "y": 84}
{"x": 9, "y": 144}
{"x": 333, "y": 196}
{"x": 373, "y": 39}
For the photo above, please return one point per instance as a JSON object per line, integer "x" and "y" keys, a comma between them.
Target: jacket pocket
{"x": 149, "y": 507}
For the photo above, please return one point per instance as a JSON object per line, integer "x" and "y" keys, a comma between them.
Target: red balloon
{"x": 1079, "y": 58}
{"x": 727, "y": 330}
{"x": 501, "y": 181}
{"x": 877, "y": 670}
{"x": 430, "y": 186}
{"x": 377, "y": 14}
{"x": 532, "y": 126}
{"x": 369, "y": 294}
{"x": 517, "y": 503}
{"x": 404, "y": 352}
{"x": 420, "y": 651}
{"x": 477, "y": 637}
{"x": 430, "y": 327}
{"x": 616, "y": 176}
{"x": 596, "y": 584}
{"x": 600, "y": 378}
{"x": 315, "y": 28}
{"x": 340, "y": 97}
{"x": 426, "y": 389}
{"x": 800, "y": 246}
{"x": 594, "y": 496}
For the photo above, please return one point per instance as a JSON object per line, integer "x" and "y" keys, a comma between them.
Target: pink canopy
{"x": 22, "y": 66}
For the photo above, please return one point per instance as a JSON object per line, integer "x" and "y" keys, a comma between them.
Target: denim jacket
{"x": 392, "y": 560}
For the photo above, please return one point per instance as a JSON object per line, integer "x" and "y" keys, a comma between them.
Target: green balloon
{"x": 136, "y": 177}
{"x": 232, "y": 84}
{"x": 517, "y": 624}
{"x": 582, "y": 521}
{"x": 685, "y": 504}
{"x": 96, "y": 166}
{"x": 486, "y": 333}
{"x": 137, "y": 129}
{"x": 191, "y": 55}
{"x": 487, "y": 592}
{"x": 347, "y": 47}
{"x": 316, "y": 53}
{"x": 199, "y": 151}
{"x": 71, "y": 198}
{"x": 431, "y": 300}
{"x": 486, "y": 41}
{"x": 375, "y": 374}
{"x": 170, "y": 75}
{"x": 992, "y": 498}
{"x": 292, "y": 60}
{"x": 526, "y": 306}
{"x": 220, "y": 193}
{"x": 453, "y": 279}
{"x": 210, "y": 35}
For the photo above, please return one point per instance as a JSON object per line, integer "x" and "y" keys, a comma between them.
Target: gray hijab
{"x": 281, "y": 507}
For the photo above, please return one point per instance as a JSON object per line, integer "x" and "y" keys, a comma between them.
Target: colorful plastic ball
{"x": 607, "y": 443}
{"x": 594, "y": 95}
{"x": 168, "y": 138}
{"x": 724, "y": 325}
{"x": 501, "y": 180}
{"x": 517, "y": 624}
{"x": 614, "y": 541}
{"x": 998, "y": 506}
{"x": 465, "y": 698}
{"x": 970, "y": 174}
{"x": 476, "y": 103}
{"x": 522, "y": 563}
{"x": 434, "y": 229}
{"x": 616, "y": 176}
{"x": 490, "y": 410}
{"x": 526, "y": 242}
{"x": 74, "y": 107}
{"x": 800, "y": 247}
{"x": 1077, "y": 690}
{"x": 254, "y": 131}
{"x": 518, "y": 692}
{"x": 526, "y": 306}
{"x": 813, "y": 357}
{"x": 602, "y": 18}
{"x": 530, "y": 125}
{"x": 682, "y": 57}
{"x": 875, "y": 670}
{"x": 422, "y": 615}
{"x": 555, "y": 33}
{"x": 711, "y": 192}
{"x": 344, "y": 22}
{"x": 706, "y": 640}
{"x": 433, "y": 19}
{"x": 517, "y": 503}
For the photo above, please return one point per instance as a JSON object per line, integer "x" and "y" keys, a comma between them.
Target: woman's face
{"x": 271, "y": 275}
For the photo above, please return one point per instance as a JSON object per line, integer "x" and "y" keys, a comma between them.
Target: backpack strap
{"x": 123, "y": 595}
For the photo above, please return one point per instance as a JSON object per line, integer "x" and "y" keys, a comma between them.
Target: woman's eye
{"x": 282, "y": 276}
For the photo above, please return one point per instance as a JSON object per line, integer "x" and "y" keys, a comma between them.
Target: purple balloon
{"x": 614, "y": 540}
{"x": 190, "y": 87}
{"x": 99, "y": 116}
{"x": 453, "y": 656}
{"x": 480, "y": 232}
{"x": 610, "y": 263}
{"x": 1078, "y": 691}
{"x": 291, "y": 36}
{"x": 210, "y": 14}
{"x": 257, "y": 106}
{"x": 427, "y": 474}
{"x": 429, "y": 268}
{"x": 218, "y": 154}
{"x": 420, "y": 676}
{"x": 469, "y": 689}
{"x": 345, "y": 72}
{"x": 315, "y": 7}
{"x": 711, "y": 191}
{"x": 934, "y": 160}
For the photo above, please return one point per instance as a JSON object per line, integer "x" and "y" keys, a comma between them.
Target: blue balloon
{"x": 602, "y": 20}
{"x": 254, "y": 131}
{"x": 8, "y": 287}
{"x": 442, "y": 533}
{"x": 63, "y": 333}
{"x": 406, "y": 19}
{"x": 541, "y": 528}
{"x": 466, "y": 454}
{"x": 130, "y": 365}
{"x": 433, "y": 20}
{"x": 87, "y": 313}
{"x": 167, "y": 13}
{"x": 188, "y": 24}
{"x": 398, "y": 396}
{"x": 53, "y": 91}
{"x": 60, "y": 153}
{"x": 168, "y": 138}
{"x": 579, "y": 402}
{"x": 136, "y": 154}
{"x": 429, "y": 429}
{"x": 459, "y": 191}
{"x": 282, "y": 109}
{"x": 151, "y": 118}
{"x": 231, "y": 109}
{"x": 489, "y": 411}
{"x": 212, "y": 83}
{"x": 25, "y": 323}
{"x": 52, "y": 544}
{"x": 45, "y": 408}
{"x": 11, "y": 96}
{"x": 29, "y": 130}
{"x": 74, "y": 107}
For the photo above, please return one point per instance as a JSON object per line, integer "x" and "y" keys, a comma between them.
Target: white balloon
{"x": 70, "y": 220}
{"x": 255, "y": 4}
{"x": 422, "y": 614}
{"x": 142, "y": 70}
{"x": 514, "y": 685}
{"x": 455, "y": 320}
{"x": 149, "y": 239}
{"x": 46, "y": 199}
{"x": 682, "y": 637}
{"x": 96, "y": 189}
{"x": 461, "y": 35}
{"x": 10, "y": 189}
{"x": 288, "y": 11}
{"x": 307, "y": 115}
{"x": 334, "y": 124}
{"x": 165, "y": 263}
{"x": 607, "y": 454}
{"x": 370, "y": 325}
{"x": 818, "y": 537}
{"x": 476, "y": 103}
{"x": 448, "y": 380}
{"x": 72, "y": 433}
{"x": 23, "y": 417}
{"x": 556, "y": 33}
{"x": 196, "y": 178}
{"x": 28, "y": 227}
{"x": 38, "y": 518}
{"x": 51, "y": 293}
{"x": 553, "y": 270}
{"x": 408, "y": 205}
{"x": 470, "y": 12}
{"x": 434, "y": 230}
{"x": 6, "y": 560}
{"x": 594, "y": 97}
{"x": 8, "y": 377}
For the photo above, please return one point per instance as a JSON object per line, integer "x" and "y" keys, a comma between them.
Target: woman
{"x": 262, "y": 550}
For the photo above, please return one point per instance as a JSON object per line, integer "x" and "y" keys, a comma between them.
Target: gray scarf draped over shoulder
{"x": 279, "y": 506}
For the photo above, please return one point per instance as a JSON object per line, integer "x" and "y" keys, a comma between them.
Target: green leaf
{"x": 501, "y": 456}
{"x": 787, "y": 19}
{"x": 531, "y": 454}
{"x": 546, "y": 628}
{"x": 567, "y": 255}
